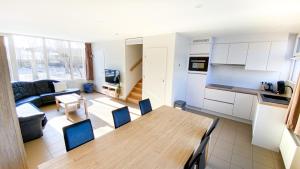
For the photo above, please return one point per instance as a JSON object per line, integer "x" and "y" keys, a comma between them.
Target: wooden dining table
{"x": 162, "y": 139}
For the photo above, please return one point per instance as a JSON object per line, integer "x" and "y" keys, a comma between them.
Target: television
{"x": 112, "y": 76}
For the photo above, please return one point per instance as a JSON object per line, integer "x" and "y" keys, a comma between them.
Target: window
{"x": 58, "y": 59}
{"x": 8, "y": 57}
{"x": 296, "y": 71}
{"x": 35, "y": 58}
{"x": 78, "y": 53}
{"x": 30, "y": 58}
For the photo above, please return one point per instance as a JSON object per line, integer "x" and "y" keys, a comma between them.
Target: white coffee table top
{"x": 68, "y": 98}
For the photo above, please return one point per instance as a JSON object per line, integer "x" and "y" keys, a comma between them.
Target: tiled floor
{"x": 230, "y": 146}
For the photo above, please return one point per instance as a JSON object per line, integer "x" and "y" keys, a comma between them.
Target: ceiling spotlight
{"x": 199, "y": 5}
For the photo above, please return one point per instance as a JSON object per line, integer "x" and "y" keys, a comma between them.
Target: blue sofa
{"x": 28, "y": 97}
{"x": 37, "y": 93}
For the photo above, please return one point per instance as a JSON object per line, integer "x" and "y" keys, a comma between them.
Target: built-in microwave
{"x": 198, "y": 64}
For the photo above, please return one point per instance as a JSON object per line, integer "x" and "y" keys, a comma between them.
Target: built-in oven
{"x": 198, "y": 64}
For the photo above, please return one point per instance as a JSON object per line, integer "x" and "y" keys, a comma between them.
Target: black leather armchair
{"x": 32, "y": 121}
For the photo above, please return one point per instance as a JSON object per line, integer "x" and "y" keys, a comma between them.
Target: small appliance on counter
{"x": 267, "y": 86}
{"x": 281, "y": 87}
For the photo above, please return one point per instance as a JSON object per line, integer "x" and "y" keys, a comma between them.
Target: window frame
{"x": 14, "y": 64}
{"x": 292, "y": 71}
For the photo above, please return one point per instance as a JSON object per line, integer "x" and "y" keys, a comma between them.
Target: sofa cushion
{"x": 50, "y": 97}
{"x": 69, "y": 91}
{"x": 42, "y": 86}
{"x": 36, "y": 100}
{"x": 23, "y": 89}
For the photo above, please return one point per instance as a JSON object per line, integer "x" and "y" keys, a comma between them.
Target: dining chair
{"x": 78, "y": 133}
{"x": 121, "y": 116}
{"x": 211, "y": 128}
{"x": 145, "y": 106}
{"x": 198, "y": 158}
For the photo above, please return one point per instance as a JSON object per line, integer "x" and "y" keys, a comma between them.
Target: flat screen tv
{"x": 112, "y": 76}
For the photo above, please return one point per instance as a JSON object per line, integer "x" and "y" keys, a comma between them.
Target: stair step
{"x": 132, "y": 100}
{"x": 135, "y": 95}
{"x": 137, "y": 90}
{"x": 139, "y": 85}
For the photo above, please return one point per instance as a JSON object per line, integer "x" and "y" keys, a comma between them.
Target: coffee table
{"x": 70, "y": 102}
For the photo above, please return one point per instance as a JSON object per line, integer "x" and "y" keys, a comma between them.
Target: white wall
{"x": 182, "y": 45}
{"x": 109, "y": 55}
{"x": 237, "y": 75}
{"x": 133, "y": 53}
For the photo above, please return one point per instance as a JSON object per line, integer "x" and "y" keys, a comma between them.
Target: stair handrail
{"x": 136, "y": 64}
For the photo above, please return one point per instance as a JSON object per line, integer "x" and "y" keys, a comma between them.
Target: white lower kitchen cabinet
{"x": 220, "y": 107}
{"x": 254, "y": 108}
{"x": 290, "y": 149}
{"x": 219, "y": 95}
{"x": 268, "y": 126}
{"x": 243, "y": 105}
{"x": 195, "y": 90}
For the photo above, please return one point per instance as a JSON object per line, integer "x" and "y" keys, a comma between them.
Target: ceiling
{"x": 95, "y": 20}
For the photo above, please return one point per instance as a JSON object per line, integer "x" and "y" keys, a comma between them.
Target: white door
{"x": 98, "y": 65}
{"x": 154, "y": 75}
{"x": 237, "y": 53}
{"x": 220, "y": 53}
{"x": 195, "y": 90}
{"x": 243, "y": 105}
{"x": 258, "y": 54}
{"x": 277, "y": 56}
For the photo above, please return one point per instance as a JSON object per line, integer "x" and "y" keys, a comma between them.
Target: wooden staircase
{"x": 136, "y": 93}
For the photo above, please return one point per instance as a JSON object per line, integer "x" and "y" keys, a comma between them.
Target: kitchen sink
{"x": 275, "y": 99}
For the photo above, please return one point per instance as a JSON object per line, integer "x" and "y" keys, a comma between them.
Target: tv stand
{"x": 112, "y": 90}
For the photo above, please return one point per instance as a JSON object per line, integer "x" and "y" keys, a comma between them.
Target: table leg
{"x": 57, "y": 104}
{"x": 85, "y": 109}
{"x": 66, "y": 111}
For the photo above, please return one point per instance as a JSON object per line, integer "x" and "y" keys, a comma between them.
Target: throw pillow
{"x": 60, "y": 86}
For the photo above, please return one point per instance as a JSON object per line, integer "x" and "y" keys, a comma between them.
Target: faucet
{"x": 290, "y": 88}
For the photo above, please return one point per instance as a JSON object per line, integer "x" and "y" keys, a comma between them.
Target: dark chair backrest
{"x": 121, "y": 116}
{"x": 78, "y": 134}
{"x": 145, "y": 106}
{"x": 211, "y": 128}
{"x": 198, "y": 158}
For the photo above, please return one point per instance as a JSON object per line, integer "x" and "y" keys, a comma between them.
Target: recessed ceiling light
{"x": 199, "y": 5}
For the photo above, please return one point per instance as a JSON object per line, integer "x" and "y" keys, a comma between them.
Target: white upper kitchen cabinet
{"x": 243, "y": 105}
{"x": 237, "y": 53}
{"x": 220, "y": 53}
{"x": 200, "y": 48}
{"x": 258, "y": 54}
{"x": 195, "y": 89}
{"x": 277, "y": 56}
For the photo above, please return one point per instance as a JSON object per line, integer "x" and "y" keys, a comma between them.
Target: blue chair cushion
{"x": 121, "y": 116}
{"x": 78, "y": 134}
{"x": 145, "y": 106}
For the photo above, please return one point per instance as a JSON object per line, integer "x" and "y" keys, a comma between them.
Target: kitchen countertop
{"x": 248, "y": 91}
